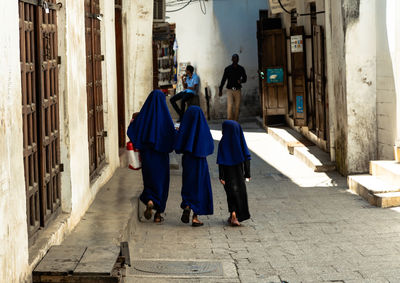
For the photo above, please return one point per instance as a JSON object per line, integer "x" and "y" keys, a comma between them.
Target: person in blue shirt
{"x": 153, "y": 133}
{"x": 194, "y": 140}
{"x": 190, "y": 84}
{"x": 234, "y": 166}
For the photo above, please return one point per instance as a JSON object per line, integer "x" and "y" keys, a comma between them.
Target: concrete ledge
{"x": 388, "y": 199}
{"x": 315, "y": 158}
{"x": 386, "y": 169}
{"x": 376, "y": 191}
{"x": 306, "y": 151}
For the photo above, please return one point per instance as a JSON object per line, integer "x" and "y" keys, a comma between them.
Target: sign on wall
{"x": 275, "y": 75}
{"x": 296, "y": 43}
{"x": 276, "y": 8}
{"x": 299, "y": 104}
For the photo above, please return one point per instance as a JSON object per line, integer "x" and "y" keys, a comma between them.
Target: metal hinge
{"x": 105, "y": 133}
{"x": 59, "y": 60}
{"x": 101, "y": 57}
{"x": 61, "y": 167}
{"x": 95, "y": 16}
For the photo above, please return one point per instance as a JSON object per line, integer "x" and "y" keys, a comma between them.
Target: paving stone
{"x": 305, "y": 226}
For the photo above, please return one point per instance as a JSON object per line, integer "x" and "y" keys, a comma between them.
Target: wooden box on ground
{"x": 100, "y": 264}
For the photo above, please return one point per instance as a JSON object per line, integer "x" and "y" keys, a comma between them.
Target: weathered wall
{"x": 337, "y": 81}
{"x": 138, "y": 55}
{"x": 393, "y": 35}
{"x": 361, "y": 84}
{"x": 78, "y": 191}
{"x": 385, "y": 90}
{"x": 13, "y": 227}
{"x": 208, "y": 42}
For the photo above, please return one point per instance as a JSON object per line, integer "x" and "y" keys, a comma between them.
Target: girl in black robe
{"x": 234, "y": 166}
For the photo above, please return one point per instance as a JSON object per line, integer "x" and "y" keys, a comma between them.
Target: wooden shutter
{"x": 94, "y": 87}
{"x": 39, "y": 81}
{"x": 298, "y": 64}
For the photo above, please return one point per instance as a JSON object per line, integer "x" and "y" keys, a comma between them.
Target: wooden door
{"x": 119, "y": 48}
{"x": 273, "y": 59}
{"x": 40, "y": 108}
{"x": 94, "y": 84}
{"x": 299, "y": 83}
{"x": 319, "y": 75}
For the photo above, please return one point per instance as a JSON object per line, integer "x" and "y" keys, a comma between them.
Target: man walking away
{"x": 236, "y": 75}
{"x": 190, "y": 84}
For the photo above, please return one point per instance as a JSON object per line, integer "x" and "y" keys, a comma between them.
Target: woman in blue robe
{"x": 234, "y": 166}
{"x": 153, "y": 133}
{"x": 194, "y": 140}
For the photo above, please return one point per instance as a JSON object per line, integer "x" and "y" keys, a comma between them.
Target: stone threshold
{"x": 299, "y": 146}
{"x": 381, "y": 187}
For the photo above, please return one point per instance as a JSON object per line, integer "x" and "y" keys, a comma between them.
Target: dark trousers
{"x": 183, "y": 96}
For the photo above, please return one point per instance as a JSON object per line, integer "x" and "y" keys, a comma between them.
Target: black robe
{"x": 235, "y": 188}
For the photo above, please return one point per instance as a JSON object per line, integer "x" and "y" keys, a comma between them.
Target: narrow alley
{"x": 305, "y": 227}
{"x": 90, "y": 89}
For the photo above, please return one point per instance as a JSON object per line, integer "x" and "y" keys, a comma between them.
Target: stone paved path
{"x": 305, "y": 227}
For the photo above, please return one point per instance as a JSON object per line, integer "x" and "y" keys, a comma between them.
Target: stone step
{"x": 388, "y": 199}
{"x": 373, "y": 189}
{"x": 306, "y": 151}
{"x": 387, "y": 170}
{"x": 314, "y": 158}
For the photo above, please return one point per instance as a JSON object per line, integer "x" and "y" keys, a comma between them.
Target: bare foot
{"x": 149, "y": 210}
{"x": 234, "y": 220}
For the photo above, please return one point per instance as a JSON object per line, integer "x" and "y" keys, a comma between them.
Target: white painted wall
{"x": 385, "y": 89}
{"x": 77, "y": 190}
{"x": 361, "y": 88}
{"x": 138, "y": 55}
{"x": 13, "y": 225}
{"x": 393, "y": 34}
{"x": 208, "y": 42}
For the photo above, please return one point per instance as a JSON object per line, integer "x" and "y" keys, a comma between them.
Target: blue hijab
{"x": 153, "y": 127}
{"x": 194, "y": 135}
{"x": 232, "y": 148}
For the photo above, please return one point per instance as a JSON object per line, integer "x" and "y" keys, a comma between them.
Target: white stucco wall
{"x": 361, "y": 88}
{"x": 138, "y": 55}
{"x": 13, "y": 225}
{"x": 208, "y": 42}
{"x": 385, "y": 89}
{"x": 393, "y": 33}
{"x": 77, "y": 190}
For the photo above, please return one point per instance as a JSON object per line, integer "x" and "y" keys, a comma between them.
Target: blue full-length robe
{"x": 194, "y": 140}
{"x": 153, "y": 133}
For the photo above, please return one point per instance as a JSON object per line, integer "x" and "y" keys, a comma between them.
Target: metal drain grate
{"x": 182, "y": 268}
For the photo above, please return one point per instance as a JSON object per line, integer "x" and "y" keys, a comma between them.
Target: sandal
{"x": 158, "y": 218}
{"x": 149, "y": 210}
{"x": 185, "y": 215}
{"x": 196, "y": 222}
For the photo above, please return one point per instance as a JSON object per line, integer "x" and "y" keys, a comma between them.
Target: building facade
{"x": 341, "y": 81}
{"x": 207, "y": 36}
{"x": 63, "y": 114}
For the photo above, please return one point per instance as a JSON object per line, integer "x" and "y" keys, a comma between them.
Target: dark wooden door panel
{"x": 39, "y": 81}
{"x": 119, "y": 47}
{"x": 273, "y": 56}
{"x": 94, "y": 84}
{"x": 299, "y": 82}
{"x": 319, "y": 74}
